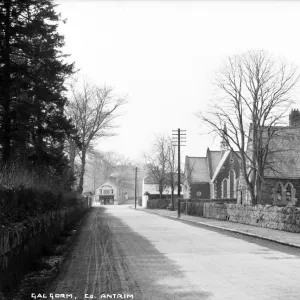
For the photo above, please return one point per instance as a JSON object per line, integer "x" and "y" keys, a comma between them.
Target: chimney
{"x": 294, "y": 118}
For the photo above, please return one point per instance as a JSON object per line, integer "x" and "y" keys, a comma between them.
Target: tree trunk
{"x": 72, "y": 154}
{"x": 6, "y": 134}
{"x": 82, "y": 171}
{"x": 172, "y": 198}
{"x": 258, "y": 188}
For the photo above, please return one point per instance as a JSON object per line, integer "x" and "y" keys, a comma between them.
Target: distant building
{"x": 109, "y": 192}
{"x": 116, "y": 190}
{"x": 150, "y": 189}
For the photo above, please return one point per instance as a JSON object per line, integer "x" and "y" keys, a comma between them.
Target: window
{"x": 279, "y": 191}
{"x": 112, "y": 192}
{"x": 288, "y": 188}
{"x": 224, "y": 188}
{"x": 231, "y": 183}
{"x": 101, "y": 191}
{"x": 106, "y": 192}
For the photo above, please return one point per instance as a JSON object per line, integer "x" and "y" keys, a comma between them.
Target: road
{"x": 152, "y": 257}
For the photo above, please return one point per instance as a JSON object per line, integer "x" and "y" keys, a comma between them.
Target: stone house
{"x": 281, "y": 184}
{"x": 225, "y": 180}
{"x": 199, "y": 172}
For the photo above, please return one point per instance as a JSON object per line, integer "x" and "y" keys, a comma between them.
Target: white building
{"x": 151, "y": 187}
{"x": 109, "y": 191}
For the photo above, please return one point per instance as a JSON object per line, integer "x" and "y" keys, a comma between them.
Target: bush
{"x": 158, "y": 203}
{"x": 25, "y": 192}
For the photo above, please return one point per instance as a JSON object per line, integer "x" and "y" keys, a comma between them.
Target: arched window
{"x": 288, "y": 188}
{"x": 278, "y": 191}
{"x": 231, "y": 183}
{"x": 224, "y": 188}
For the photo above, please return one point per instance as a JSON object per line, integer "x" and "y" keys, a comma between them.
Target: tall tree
{"x": 32, "y": 68}
{"x": 157, "y": 163}
{"x": 255, "y": 94}
{"x": 93, "y": 110}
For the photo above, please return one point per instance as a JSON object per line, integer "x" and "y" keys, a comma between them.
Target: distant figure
{"x": 126, "y": 196}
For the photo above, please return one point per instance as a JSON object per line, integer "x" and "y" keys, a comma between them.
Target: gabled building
{"x": 108, "y": 192}
{"x": 113, "y": 191}
{"x": 281, "y": 184}
{"x": 225, "y": 180}
{"x": 199, "y": 172}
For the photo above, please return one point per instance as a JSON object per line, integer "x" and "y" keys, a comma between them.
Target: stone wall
{"x": 281, "y": 218}
{"x": 23, "y": 242}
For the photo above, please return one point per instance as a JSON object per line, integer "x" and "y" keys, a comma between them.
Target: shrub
{"x": 158, "y": 203}
{"x": 26, "y": 192}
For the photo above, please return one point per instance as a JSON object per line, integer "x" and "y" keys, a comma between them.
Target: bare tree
{"x": 172, "y": 168}
{"x": 254, "y": 97}
{"x": 93, "y": 110}
{"x": 105, "y": 164}
{"x": 95, "y": 171}
{"x": 157, "y": 163}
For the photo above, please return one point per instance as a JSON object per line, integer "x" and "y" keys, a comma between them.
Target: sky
{"x": 163, "y": 56}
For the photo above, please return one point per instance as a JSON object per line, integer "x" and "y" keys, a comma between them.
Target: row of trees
{"x": 162, "y": 166}
{"x": 41, "y": 127}
{"x": 93, "y": 111}
{"x": 33, "y": 126}
{"x": 253, "y": 97}
{"x": 101, "y": 165}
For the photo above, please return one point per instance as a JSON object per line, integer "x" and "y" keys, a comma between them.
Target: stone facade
{"x": 230, "y": 172}
{"x": 282, "y": 179}
{"x": 199, "y": 191}
{"x": 281, "y": 218}
{"x": 270, "y": 187}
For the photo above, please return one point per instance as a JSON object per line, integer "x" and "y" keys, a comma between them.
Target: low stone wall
{"x": 23, "y": 242}
{"x": 158, "y": 203}
{"x": 196, "y": 207}
{"x": 281, "y": 218}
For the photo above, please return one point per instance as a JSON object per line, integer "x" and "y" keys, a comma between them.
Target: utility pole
{"x": 181, "y": 138}
{"x": 135, "y": 186}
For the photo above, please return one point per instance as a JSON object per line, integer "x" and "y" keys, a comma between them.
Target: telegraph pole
{"x": 135, "y": 185}
{"x": 181, "y": 138}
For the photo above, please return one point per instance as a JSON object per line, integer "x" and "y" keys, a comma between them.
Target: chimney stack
{"x": 294, "y": 118}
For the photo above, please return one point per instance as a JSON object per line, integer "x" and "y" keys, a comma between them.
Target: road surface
{"x": 151, "y": 257}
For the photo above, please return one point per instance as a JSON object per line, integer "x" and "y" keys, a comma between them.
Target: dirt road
{"x": 96, "y": 265}
{"x": 129, "y": 254}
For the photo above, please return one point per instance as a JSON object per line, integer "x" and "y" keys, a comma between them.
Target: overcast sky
{"x": 163, "y": 55}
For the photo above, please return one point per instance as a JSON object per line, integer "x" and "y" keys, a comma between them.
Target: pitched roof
{"x": 220, "y": 164}
{"x": 215, "y": 158}
{"x": 198, "y": 168}
{"x": 150, "y": 179}
{"x": 110, "y": 180}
